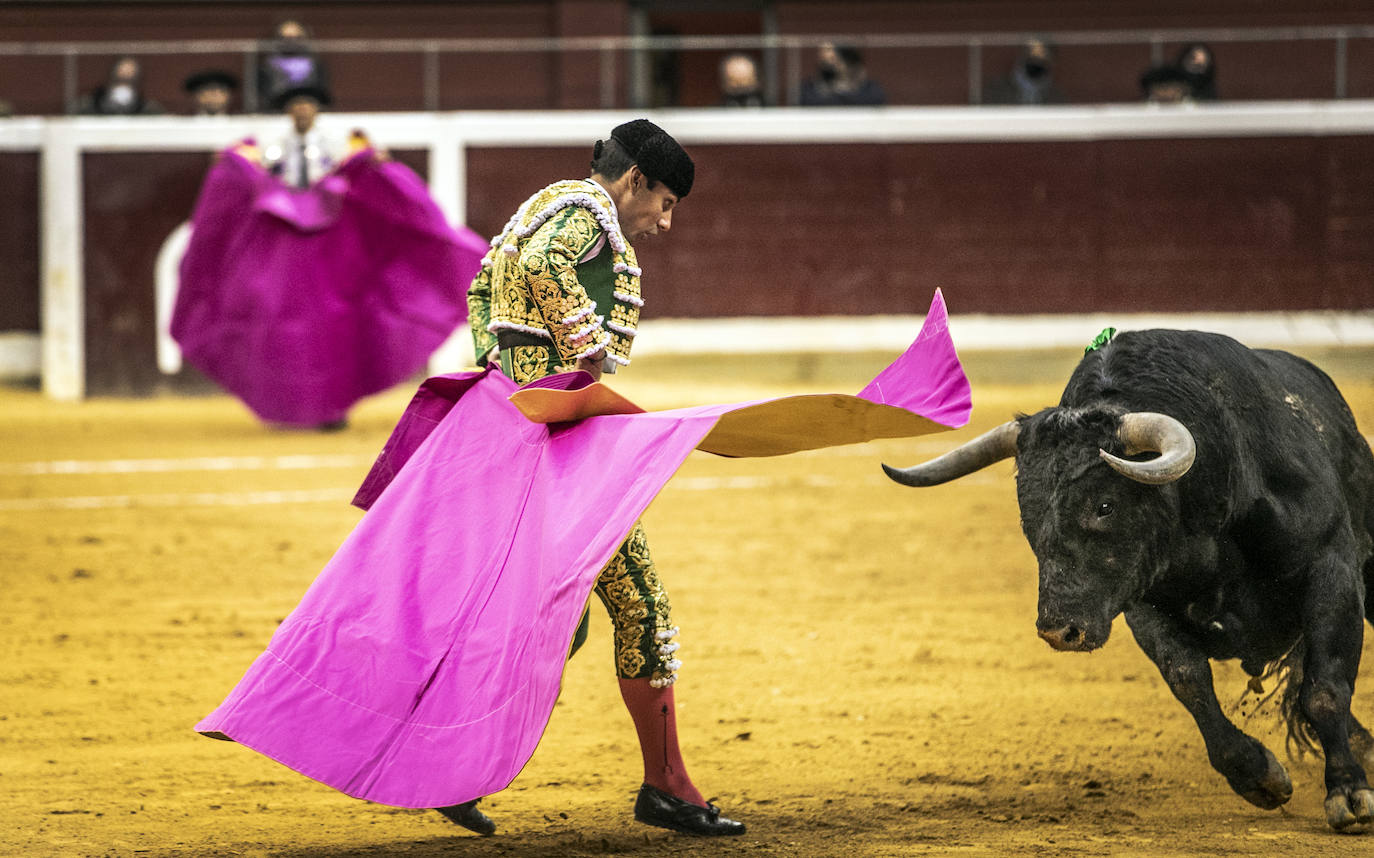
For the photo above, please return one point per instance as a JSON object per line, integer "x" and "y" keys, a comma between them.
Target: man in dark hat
{"x": 559, "y": 290}
{"x": 305, "y": 155}
{"x": 211, "y": 90}
{"x": 1166, "y": 84}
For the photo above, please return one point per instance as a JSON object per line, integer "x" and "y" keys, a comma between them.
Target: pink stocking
{"x": 655, "y": 717}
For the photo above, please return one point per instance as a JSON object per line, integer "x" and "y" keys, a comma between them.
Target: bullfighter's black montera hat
{"x": 659, "y": 156}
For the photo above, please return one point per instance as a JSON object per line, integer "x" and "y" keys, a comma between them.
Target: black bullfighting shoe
{"x": 468, "y": 816}
{"x": 656, "y": 807}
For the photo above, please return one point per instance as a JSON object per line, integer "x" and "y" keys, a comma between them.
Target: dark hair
{"x": 610, "y": 159}
{"x": 849, "y": 55}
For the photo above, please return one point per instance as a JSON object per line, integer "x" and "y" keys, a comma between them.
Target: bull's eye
{"x": 1105, "y": 509}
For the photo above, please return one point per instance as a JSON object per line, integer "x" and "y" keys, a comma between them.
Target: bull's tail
{"x": 1286, "y": 673}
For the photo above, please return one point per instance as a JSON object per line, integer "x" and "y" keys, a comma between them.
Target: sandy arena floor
{"x": 862, "y": 675}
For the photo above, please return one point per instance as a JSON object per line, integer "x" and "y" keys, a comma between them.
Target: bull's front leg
{"x": 1251, "y": 770}
{"x": 1333, "y": 623}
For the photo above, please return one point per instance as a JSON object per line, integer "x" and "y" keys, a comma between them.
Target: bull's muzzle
{"x": 1066, "y": 638}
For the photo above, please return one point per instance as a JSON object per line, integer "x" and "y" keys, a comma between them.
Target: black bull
{"x": 1248, "y": 536}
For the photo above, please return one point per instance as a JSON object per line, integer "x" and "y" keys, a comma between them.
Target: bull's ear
{"x": 993, "y": 446}
{"x": 1149, "y": 432}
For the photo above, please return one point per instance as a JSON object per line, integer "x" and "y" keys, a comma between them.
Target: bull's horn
{"x": 1147, "y": 432}
{"x": 982, "y": 451}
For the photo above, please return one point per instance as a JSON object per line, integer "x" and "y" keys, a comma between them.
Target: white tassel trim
{"x": 669, "y": 649}
{"x": 621, "y": 329}
{"x": 666, "y": 634}
{"x": 514, "y": 326}
{"x": 586, "y": 201}
{"x": 586, "y": 330}
{"x": 592, "y": 349}
{"x": 627, "y": 298}
{"x": 617, "y": 359}
{"x": 510, "y": 250}
{"x": 579, "y": 315}
{"x": 664, "y": 682}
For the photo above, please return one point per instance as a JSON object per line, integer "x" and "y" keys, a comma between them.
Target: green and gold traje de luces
{"x": 559, "y": 283}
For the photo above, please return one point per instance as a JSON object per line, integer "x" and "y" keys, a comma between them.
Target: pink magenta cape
{"x": 422, "y": 665}
{"x": 301, "y": 302}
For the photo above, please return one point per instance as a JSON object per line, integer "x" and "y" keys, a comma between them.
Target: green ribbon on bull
{"x": 1100, "y": 340}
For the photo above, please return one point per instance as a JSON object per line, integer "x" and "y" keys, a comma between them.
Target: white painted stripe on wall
{"x": 753, "y": 335}
{"x": 20, "y": 354}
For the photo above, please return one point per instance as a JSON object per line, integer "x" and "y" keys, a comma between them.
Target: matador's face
{"x": 648, "y": 210}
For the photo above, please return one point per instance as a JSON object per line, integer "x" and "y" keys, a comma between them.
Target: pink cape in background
{"x": 422, "y": 665}
{"x": 302, "y": 302}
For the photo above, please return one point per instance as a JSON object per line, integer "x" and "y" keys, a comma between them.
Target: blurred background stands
{"x": 637, "y": 54}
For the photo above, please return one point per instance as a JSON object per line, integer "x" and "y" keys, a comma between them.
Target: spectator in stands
{"x": 1166, "y": 84}
{"x": 288, "y": 62}
{"x": 1200, "y": 68}
{"x": 120, "y": 95}
{"x": 211, "y": 91}
{"x": 841, "y": 79}
{"x": 1030, "y": 80}
{"x": 305, "y": 155}
{"x": 739, "y": 82}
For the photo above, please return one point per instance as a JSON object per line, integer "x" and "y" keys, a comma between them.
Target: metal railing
{"x": 636, "y": 51}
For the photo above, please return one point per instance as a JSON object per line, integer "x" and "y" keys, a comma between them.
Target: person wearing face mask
{"x": 841, "y": 79}
{"x": 559, "y": 290}
{"x": 288, "y": 62}
{"x": 120, "y": 95}
{"x": 1030, "y": 80}
{"x": 1199, "y": 68}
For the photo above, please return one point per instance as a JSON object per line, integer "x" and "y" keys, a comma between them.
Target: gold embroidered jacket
{"x": 560, "y": 275}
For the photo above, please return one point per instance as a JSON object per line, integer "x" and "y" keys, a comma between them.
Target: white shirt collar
{"x": 595, "y": 184}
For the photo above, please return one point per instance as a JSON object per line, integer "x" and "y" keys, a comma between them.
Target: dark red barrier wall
{"x": 19, "y": 261}
{"x": 1058, "y": 227}
{"x": 1129, "y": 226}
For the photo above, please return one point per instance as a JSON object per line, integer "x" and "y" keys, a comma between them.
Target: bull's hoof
{"x": 1270, "y": 789}
{"x": 1344, "y": 809}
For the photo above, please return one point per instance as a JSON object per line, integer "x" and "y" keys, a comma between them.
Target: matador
{"x": 559, "y": 291}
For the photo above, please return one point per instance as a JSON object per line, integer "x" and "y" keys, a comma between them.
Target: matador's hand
{"x": 591, "y": 364}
